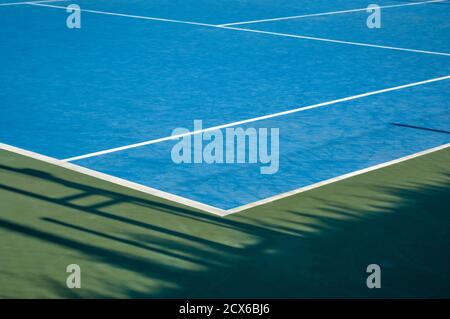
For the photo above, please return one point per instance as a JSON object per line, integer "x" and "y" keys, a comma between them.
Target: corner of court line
{"x": 243, "y": 208}
{"x": 116, "y": 180}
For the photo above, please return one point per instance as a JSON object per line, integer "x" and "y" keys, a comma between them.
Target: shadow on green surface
{"x": 284, "y": 250}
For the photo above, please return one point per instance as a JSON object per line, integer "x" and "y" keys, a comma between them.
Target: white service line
{"x": 125, "y": 15}
{"x": 248, "y": 30}
{"x": 198, "y": 205}
{"x": 288, "y": 35}
{"x": 29, "y": 2}
{"x": 327, "y": 13}
{"x": 260, "y": 118}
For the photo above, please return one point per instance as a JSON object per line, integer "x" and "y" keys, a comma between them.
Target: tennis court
{"x": 87, "y": 176}
{"x": 104, "y": 99}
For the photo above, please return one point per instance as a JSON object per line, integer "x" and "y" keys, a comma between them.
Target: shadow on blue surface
{"x": 421, "y": 128}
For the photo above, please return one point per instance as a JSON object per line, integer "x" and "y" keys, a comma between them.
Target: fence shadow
{"x": 301, "y": 252}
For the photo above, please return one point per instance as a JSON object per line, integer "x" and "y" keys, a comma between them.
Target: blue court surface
{"x": 344, "y": 97}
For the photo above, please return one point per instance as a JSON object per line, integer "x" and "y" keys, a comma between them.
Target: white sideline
{"x": 300, "y": 109}
{"x": 250, "y": 30}
{"x": 116, "y": 180}
{"x": 327, "y": 13}
{"x": 28, "y": 2}
{"x": 205, "y": 207}
{"x": 333, "y": 180}
{"x": 198, "y": 205}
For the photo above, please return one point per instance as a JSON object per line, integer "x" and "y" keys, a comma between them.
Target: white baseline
{"x": 202, "y": 206}
{"x": 198, "y": 205}
{"x": 116, "y": 180}
{"x": 334, "y": 180}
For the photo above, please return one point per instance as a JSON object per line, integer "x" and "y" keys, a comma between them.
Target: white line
{"x": 126, "y": 15}
{"x": 327, "y": 13}
{"x": 333, "y": 180}
{"x": 116, "y": 180}
{"x": 250, "y": 30}
{"x": 198, "y": 205}
{"x": 260, "y": 118}
{"x": 29, "y": 2}
{"x": 337, "y": 41}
